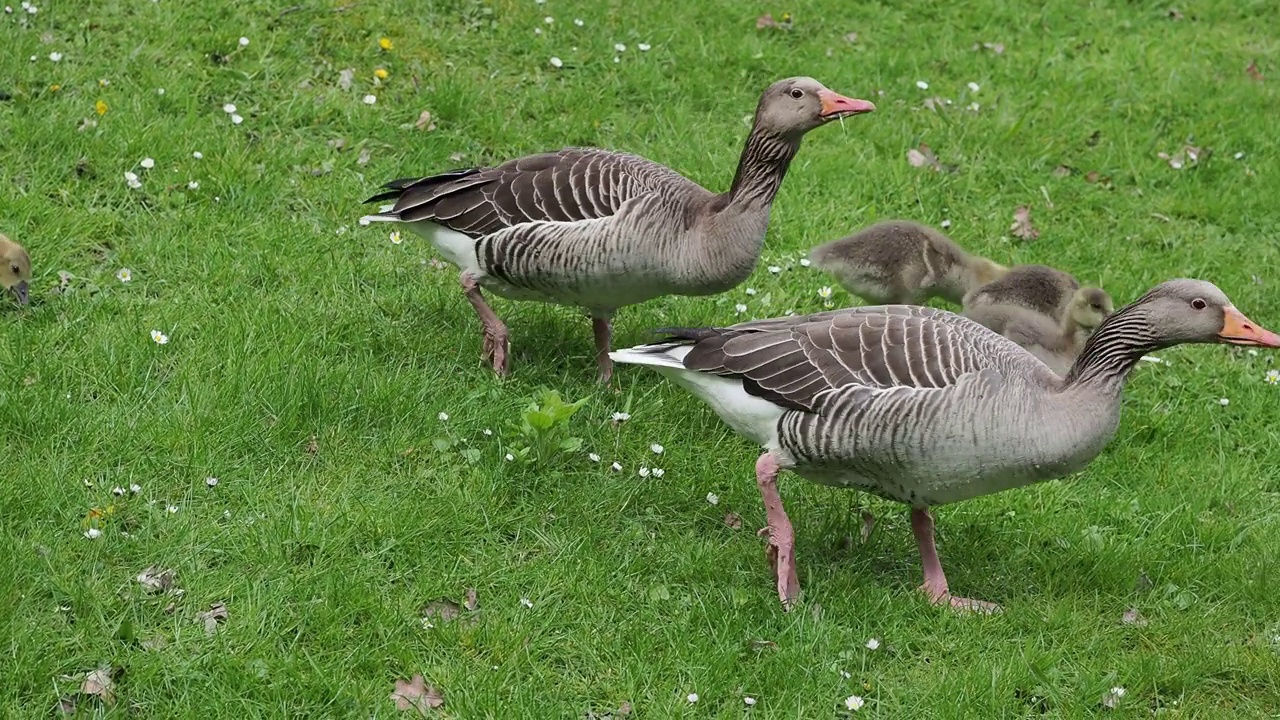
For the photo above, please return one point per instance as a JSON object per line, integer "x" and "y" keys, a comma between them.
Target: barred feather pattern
{"x": 601, "y": 229}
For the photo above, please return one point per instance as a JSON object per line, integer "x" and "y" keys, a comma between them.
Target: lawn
{"x": 331, "y": 380}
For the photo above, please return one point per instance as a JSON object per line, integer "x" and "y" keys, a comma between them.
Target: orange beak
{"x": 835, "y": 105}
{"x": 1240, "y": 330}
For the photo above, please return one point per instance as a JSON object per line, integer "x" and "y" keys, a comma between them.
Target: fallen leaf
{"x": 1061, "y": 171}
{"x": 456, "y": 157}
{"x": 472, "y": 602}
{"x": 766, "y": 21}
{"x": 64, "y": 281}
{"x": 1092, "y": 176}
{"x": 935, "y": 103}
{"x": 1133, "y": 617}
{"x": 29, "y": 380}
{"x": 759, "y": 645}
{"x": 101, "y": 685}
{"x": 1022, "y": 227}
{"x": 1253, "y": 71}
{"x": 87, "y": 123}
{"x": 851, "y": 37}
{"x": 868, "y": 524}
{"x": 923, "y": 157}
{"x": 338, "y": 143}
{"x": 624, "y": 709}
{"x": 345, "y": 78}
{"x": 313, "y": 446}
{"x": 154, "y": 580}
{"x": 997, "y": 48}
{"x": 1174, "y": 14}
{"x": 1188, "y": 154}
{"x": 443, "y": 609}
{"x": 415, "y": 694}
{"x": 1111, "y": 699}
{"x": 365, "y": 154}
{"x": 424, "y": 121}
{"x": 155, "y": 643}
{"x": 733, "y": 520}
{"x": 216, "y": 613}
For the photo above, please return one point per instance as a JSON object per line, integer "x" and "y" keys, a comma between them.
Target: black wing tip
{"x": 687, "y": 334}
{"x": 395, "y": 188}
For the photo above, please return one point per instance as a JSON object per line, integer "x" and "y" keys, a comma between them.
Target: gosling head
{"x": 988, "y": 271}
{"x": 15, "y": 269}
{"x": 1089, "y": 307}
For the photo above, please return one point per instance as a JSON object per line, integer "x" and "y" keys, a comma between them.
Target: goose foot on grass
{"x": 935, "y": 581}
{"x": 495, "y": 332}
{"x": 782, "y": 537}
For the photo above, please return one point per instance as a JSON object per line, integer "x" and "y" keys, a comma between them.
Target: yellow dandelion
{"x": 55, "y": 87}
{"x": 381, "y": 73}
{"x": 385, "y": 43}
{"x": 101, "y": 107}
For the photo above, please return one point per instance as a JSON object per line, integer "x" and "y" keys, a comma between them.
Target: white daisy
{"x": 922, "y": 85}
{"x": 593, "y": 457}
{"x": 159, "y": 337}
{"x": 854, "y": 703}
{"x": 124, "y": 274}
{"x": 244, "y": 42}
{"x": 713, "y": 498}
{"x": 656, "y": 448}
{"x": 93, "y": 533}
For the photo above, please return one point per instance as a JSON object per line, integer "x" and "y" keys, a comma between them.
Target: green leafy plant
{"x": 544, "y": 427}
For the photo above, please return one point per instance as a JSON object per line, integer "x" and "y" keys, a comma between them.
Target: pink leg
{"x": 495, "y": 333}
{"x": 935, "y": 581}
{"x": 600, "y": 326}
{"x": 781, "y": 547}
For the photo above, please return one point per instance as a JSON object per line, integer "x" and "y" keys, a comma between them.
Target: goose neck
{"x": 761, "y": 168}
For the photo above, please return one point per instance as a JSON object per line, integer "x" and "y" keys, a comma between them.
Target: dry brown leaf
{"x": 472, "y": 601}
{"x": 155, "y": 643}
{"x": 1112, "y": 698}
{"x": 936, "y": 103}
{"x": 100, "y": 684}
{"x": 313, "y": 446}
{"x": 923, "y": 156}
{"x": 1061, "y": 171}
{"x": 1189, "y": 154}
{"x": 1174, "y": 14}
{"x": 456, "y": 157}
{"x": 155, "y": 580}
{"x": 438, "y": 264}
{"x": 210, "y": 618}
{"x": 759, "y": 645}
{"x": 868, "y": 524}
{"x": 624, "y": 709}
{"x": 1022, "y": 226}
{"x": 443, "y": 609}
{"x": 851, "y": 37}
{"x": 345, "y": 78}
{"x": 1253, "y": 71}
{"x": 424, "y": 121}
{"x": 338, "y": 143}
{"x": 416, "y": 694}
{"x": 1092, "y": 176}
{"x": 365, "y": 154}
{"x": 766, "y": 21}
{"x": 733, "y": 520}
{"x": 997, "y": 48}
{"x": 1133, "y": 617}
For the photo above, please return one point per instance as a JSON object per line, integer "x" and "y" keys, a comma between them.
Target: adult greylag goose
{"x": 15, "y": 269}
{"x": 899, "y": 261}
{"x": 601, "y": 230}
{"x": 1056, "y": 343}
{"x": 1045, "y": 290}
{"x": 924, "y": 406}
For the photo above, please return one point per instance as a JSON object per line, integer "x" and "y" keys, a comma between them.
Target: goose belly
{"x": 960, "y": 454}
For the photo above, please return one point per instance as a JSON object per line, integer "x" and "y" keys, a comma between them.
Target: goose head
{"x": 794, "y": 106}
{"x": 1196, "y": 311}
{"x": 1089, "y": 307}
{"x": 15, "y": 269}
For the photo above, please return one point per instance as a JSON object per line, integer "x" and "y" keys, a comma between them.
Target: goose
{"x": 1056, "y": 343}
{"x": 923, "y": 406}
{"x": 903, "y": 262}
{"x": 1042, "y": 289}
{"x": 15, "y": 269}
{"x": 599, "y": 229}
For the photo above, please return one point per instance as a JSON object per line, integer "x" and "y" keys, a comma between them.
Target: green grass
{"x": 287, "y": 321}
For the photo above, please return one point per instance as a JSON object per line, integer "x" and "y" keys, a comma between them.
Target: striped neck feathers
{"x": 1114, "y": 348}
{"x": 763, "y": 164}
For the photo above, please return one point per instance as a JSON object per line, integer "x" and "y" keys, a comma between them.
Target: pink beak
{"x": 1240, "y": 330}
{"x": 836, "y": 105}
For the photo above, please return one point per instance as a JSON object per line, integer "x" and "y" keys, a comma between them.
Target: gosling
{"x": 15, "y": 269}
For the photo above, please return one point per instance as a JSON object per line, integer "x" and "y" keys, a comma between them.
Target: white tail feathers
{"x": 668, "y": 355}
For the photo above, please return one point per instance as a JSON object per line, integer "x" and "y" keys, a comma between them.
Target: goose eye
{"x": 1198, "y": 304}
{"x": 16, "y": 270}
{"x": 797, "y": 93}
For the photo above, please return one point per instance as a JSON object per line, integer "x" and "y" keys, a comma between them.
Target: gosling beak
{"x": 1240, "y": 330}
{"x": 835, "y": 105}
{"x": 20, "y": 292}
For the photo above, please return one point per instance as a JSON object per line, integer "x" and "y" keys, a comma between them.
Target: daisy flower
{"x": 619, "y": 417}
{"x": 244, "y": 42}
{"x": 124, "y": 274}
{"x": 593, "y": 457}
{"x": 656, "y": 448}
{"x": 922, "y": 85}
{"x": 395, "y": 237}
{"x": 824, "y": 292}
{"x": 443, "y": 417}
{"x": 873, "y": 644}
{"x": 93, "y": 533}
{"x": 805, "y": 262}
{"x": 211, "y": 481}
{"x": 854, "y": 703}
{"x": 159, "y": 337}
{"x": 713, "y": 498}
{"x": 740, "y": 308}
{"x": 370, "y": 99}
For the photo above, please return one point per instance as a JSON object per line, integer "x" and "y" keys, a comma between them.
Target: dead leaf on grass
{"x": 936, "y": 103}
{"x": 424, "y": 121}
{"x": 64, "y": 281}
{"x": 733, "y": 520}
{"x": 345, "y": 78}
{"x": 29, "y": 380}
{"x": 87, "y": 123}
{"x": 98, "y": 684}
{"x": 159, "y": 642}
{"x": 851, "y": 37}
{"x": 416, "y": 694}
{"x": 338, "y": 143}
{"x": 472, "y": 601}
{"x": 313, "y": 446}
{"x": 1253, "y": 71}
{"x": 1061, "y": 171}
{"x": 1022, "y": 226}
{"x": 1174, "y": 14}
{"x": 365, "y": 154}
{"x": 1112, "y": 698}
{"x": 624, "y": 709}
{"x": 759, "y": 645}
{"x": 868, "y": 524}
{"x": 155, "y": 580}
{"x": 766, "y": 21}
{"x": 1188, "y": 155}
{"x": 997, "y": 48}
{"x": 456, "y": 157}
{"x": 923, "y": 156}
{"x": 210, "y": 618}
{"x": 443, "y": 609}
{"x": 1133, "y": 617}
